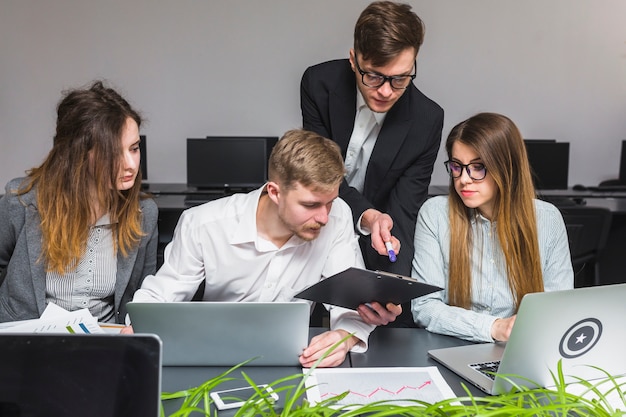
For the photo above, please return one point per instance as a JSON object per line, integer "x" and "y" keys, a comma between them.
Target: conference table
{"x": 388, "y": 347}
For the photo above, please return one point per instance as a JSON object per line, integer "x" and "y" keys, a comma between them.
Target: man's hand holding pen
{"x": 380, "y": 225}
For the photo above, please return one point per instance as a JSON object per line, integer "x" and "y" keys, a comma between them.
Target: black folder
{"x": 356, "y": 286}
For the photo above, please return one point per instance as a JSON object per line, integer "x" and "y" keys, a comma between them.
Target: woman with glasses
{"x": 489, "y": 242}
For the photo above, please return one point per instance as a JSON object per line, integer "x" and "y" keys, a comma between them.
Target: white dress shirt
{"x": 218, "y": 242}
{"x": 367, "y": 126}
{"x": 491, "y": 295}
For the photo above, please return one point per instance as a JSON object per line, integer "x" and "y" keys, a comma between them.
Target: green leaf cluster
{"x": 592, "y": 400}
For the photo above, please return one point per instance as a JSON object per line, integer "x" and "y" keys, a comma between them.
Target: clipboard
{"x": 356, "y": 286}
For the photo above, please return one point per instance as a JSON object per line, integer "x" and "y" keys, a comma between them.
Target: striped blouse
{"x": 92, "y": 283}
{"x": 491, "y": 296}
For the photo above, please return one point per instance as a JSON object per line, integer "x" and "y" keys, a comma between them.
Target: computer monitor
{"x": 539, "y": 140}
{"x": 144, "y": 157}
{"x": 228, "y": 162}
{"x": 549, "y": 162}
{"x": 95, "y": 375}
{"x": 622, "y": 164}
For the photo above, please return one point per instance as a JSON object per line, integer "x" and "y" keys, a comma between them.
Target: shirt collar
{"x": 362, "y": 105}
{"x": 246, "y": 231}
{"x": 104, "y": 221}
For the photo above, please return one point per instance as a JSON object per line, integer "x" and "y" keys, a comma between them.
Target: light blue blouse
{"x": 491, "y": 296}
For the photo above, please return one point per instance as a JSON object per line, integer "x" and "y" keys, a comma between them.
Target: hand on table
{"x": 321, "y": 343}
{"x": 127, "y": 330}
{"x": 501, "y": 329}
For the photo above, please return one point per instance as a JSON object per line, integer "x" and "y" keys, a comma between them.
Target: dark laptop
{"x": 79, "y": 375}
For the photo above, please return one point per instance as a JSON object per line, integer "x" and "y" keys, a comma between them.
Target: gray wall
{"x": 232, "y": 67}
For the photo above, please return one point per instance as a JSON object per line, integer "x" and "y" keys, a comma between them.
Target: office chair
{"x": 587, "y": 230}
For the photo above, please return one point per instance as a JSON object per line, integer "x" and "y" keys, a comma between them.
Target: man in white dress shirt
{"x": 273, "y": 242}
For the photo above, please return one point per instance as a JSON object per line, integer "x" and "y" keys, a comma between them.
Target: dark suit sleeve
{"x": 410, "y": 192}
{"x": 311, "y": 115}
{"x": 399, "y": 173}
{"x": 314, "y": 90}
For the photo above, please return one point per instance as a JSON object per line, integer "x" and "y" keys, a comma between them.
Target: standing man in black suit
{"x": 389, "y": 131}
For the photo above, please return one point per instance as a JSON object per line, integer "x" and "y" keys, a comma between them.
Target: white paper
{"x": 368, "y": 385}
{"x": 55, "y": 319}
{"x": 613, "y": 397}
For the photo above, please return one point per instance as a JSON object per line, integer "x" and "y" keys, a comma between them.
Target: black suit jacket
{"x": 399, "y": 170}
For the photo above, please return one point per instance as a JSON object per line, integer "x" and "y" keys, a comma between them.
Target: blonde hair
{"x": 499, "y": 143}
{"x": 307, "y": 158}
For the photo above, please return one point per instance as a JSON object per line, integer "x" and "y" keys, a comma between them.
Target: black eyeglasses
{"x": 476, "y": 170}
{"x": 373, "y": 80}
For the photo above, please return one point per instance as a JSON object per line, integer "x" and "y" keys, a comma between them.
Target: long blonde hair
{"x": 499, "y": 143}
{"x": 86, "y": 155}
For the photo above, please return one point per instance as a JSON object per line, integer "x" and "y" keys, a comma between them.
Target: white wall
{"x": 232, "y": 67}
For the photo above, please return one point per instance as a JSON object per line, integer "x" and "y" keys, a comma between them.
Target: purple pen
{"x": 390, "y": 251}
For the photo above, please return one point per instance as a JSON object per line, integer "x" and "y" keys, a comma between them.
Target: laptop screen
{"x": 79, "y": 375}
{"x": 228, "y": 162}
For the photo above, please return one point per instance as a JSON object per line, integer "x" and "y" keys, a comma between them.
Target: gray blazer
{"x": 22, "y": 274}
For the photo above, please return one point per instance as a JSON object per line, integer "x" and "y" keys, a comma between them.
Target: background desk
{"x": 389, "y": 347}
{"x": 171, "y": 200}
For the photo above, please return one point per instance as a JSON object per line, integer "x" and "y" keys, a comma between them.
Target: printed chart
{"x": 368, "y": 385}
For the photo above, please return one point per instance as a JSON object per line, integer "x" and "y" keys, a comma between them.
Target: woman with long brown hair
{"x": 489, "y": 242}
{"x": 76, "y": 231}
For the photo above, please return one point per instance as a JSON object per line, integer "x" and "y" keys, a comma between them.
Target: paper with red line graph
{"x": 368, "y": 385}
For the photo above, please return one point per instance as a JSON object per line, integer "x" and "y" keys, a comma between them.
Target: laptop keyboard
{"x": 486, "y": 368}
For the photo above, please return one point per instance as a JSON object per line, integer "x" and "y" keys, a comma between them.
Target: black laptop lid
{"x": 79, "y": 375}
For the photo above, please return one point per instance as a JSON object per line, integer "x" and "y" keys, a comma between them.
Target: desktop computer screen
{"x": 549, "y": 162}
{"x": 144, "y": 157}
{"x": 238, "y": 163}
{"x": 622, "y": 164}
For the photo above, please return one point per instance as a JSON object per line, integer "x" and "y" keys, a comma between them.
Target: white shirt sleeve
{"x": 182, "y": 271}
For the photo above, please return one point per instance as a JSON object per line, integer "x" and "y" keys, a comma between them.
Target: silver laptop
{"x": 582, "y": 327}
{"x": 225, "y": 333}
{"x": 95, "y": 375}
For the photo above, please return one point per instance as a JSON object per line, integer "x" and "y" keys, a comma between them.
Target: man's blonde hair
{"x": 305, "y": 157}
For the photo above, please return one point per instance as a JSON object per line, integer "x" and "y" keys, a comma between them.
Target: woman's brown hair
{"x": 500, "y": 145}
{"x": 81, "y": 172}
